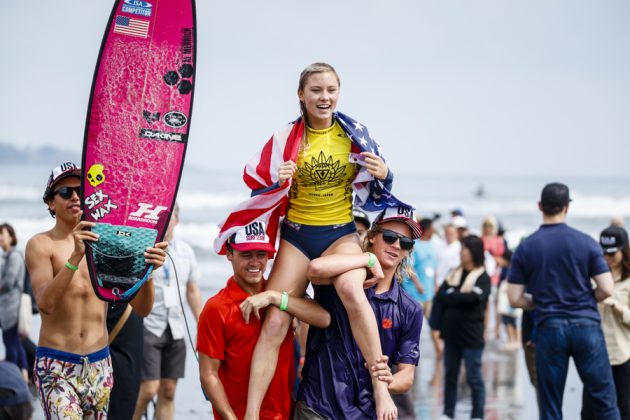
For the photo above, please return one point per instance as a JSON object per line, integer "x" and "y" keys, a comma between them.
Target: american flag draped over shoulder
{"x": 262, "y": 172}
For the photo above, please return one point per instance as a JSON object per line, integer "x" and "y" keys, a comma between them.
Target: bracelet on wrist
{"x": 284, "y": 301}
{"x": 372, "y": 261}
{"x": 71, "y": 267}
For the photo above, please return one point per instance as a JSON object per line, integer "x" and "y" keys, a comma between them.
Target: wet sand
{"x": 509, "y": 394}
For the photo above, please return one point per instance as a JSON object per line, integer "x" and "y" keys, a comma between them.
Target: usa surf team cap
{"x": 58, "y": 173}
{"x": 402, "y": 214}
{"x": 252, "y": 237}
{"x": 613, "y": 239}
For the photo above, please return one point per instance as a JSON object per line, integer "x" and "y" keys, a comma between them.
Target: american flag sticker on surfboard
{"x": 130, "y": 26}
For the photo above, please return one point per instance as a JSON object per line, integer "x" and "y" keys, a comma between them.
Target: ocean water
{"x": 206, "y": 197}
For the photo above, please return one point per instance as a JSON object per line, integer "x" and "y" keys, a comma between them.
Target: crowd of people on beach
{"x": 334, "y": 333}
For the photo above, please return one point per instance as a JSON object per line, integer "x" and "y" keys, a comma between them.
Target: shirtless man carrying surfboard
{"x": 73, "y": 370}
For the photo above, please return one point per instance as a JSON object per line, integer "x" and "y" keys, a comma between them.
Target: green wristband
{"x": 71, "y": 267}
{"x": 372, "y": 261}
{"x": 284, "y": 301}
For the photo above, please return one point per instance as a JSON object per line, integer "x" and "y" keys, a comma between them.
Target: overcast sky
{"x": 500, "y": 87}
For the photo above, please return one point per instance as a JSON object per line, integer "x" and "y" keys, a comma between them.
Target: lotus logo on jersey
{"x": 146, "y": 133}
{"x": 175, "y": 119}
{"x": 147, "y": 213}
{"x": 137, "y": 7}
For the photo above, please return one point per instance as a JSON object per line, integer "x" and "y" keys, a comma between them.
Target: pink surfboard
{"x": 136, "y": 134}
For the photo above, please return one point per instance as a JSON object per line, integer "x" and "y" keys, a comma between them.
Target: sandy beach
{"x": 509, "y": 394}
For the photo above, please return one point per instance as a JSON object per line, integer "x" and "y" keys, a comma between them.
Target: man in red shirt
{"x": 227, "y": 333}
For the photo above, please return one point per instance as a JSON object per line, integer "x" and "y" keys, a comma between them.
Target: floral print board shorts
{"x": 72, "y": 386}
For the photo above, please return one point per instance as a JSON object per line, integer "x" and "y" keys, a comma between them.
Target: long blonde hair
{"x": 404, "y": 269}
{"x": 306, "y": 73}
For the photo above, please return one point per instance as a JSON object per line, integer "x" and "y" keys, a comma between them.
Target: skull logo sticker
{"x": 95, "y": 175}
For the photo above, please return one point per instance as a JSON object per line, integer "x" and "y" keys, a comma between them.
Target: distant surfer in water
{"x": 73, "y": 370}
{"x": 226, "y": 336}
{"x": 322, "y": 168}
{"x": 335, "y": 383}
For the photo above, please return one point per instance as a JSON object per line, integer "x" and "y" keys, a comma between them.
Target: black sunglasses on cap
{"x": 66, "y": 192}
{"x": 390, "y": 237}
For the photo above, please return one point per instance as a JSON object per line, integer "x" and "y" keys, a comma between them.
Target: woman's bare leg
{"x": 288, "y": 275}
{"x": 349, "y": 287}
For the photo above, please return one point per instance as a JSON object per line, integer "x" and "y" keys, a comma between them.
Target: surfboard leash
{"x": 181, "y": 302}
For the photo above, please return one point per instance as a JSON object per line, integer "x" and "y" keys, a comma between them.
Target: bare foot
{"x": 385, "y": 407}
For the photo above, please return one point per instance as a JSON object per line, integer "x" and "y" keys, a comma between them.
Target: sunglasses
{"x": 66, "y": 192}
{"x": 390, "y": 237}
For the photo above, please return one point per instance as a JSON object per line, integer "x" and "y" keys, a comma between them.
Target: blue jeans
{"x": 453, "y": 356}
{"x": 559, "y": 339}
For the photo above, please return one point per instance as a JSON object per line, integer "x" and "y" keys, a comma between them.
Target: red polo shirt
{"x": 223, "y": 334}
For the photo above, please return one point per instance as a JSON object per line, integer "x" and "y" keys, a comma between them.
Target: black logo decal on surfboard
{"x": 175, "y": 119}
{"x": 151, "y": 117}
{"x": 147, "y": 133}
{"x": 185, "y": 86}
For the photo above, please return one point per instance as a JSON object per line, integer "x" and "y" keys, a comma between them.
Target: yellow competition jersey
{"x": 321, "y": 193}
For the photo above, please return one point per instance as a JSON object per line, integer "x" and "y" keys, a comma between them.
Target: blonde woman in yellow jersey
{"x": 319, "y": 222}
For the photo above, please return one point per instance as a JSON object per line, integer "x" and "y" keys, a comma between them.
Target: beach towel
{"x": 261, "y": 173}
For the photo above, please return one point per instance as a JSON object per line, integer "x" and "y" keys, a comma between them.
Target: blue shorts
{"x": 312, "y": 241}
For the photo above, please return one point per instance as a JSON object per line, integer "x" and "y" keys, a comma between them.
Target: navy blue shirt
{"x": 335, "y": 382}
{"x": 556, "y": 264}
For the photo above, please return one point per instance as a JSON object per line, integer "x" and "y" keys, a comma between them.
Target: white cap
{"x": 459, "y": 222}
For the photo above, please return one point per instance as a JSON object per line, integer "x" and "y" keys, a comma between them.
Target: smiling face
{"x": 319, "y": 97}
{"x": 390, "y": 255}
{"x": 248, "y": 267}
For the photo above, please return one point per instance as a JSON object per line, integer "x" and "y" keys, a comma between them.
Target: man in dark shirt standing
{"x": 555, "y": 266}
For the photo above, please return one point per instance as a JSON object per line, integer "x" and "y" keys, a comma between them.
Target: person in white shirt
{"x": 165, "y": 327}
{"x": 448, "y": 256}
